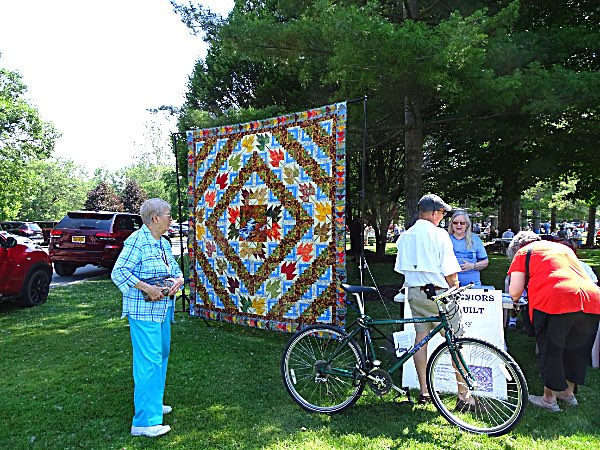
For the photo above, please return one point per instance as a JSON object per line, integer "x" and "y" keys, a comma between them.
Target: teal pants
{"x": 151, "y": 343}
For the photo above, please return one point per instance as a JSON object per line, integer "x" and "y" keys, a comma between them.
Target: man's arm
{"x": 452, "y": 280}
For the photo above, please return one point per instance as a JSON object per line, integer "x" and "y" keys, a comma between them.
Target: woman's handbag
{"x": 165, "y": 283}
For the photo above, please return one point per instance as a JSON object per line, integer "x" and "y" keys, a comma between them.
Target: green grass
{"x": 66, "y": 369}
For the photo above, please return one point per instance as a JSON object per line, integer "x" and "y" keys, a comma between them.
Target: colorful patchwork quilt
{"x": 267, "y": 229}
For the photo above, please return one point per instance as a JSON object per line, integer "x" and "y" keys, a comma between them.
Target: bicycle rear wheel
{"x": 500, "y": 390}
{"x": 318, "y": 368}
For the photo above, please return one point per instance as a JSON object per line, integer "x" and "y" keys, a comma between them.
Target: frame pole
{"x": 361, "y": 258}
{"x": 183, "y": 295}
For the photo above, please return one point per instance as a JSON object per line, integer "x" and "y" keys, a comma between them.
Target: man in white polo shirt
{"x": 425, "y": 257}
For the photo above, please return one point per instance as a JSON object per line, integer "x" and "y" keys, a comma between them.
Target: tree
{"x": 132, "y": 197}
{"x": 57, "y": 186}
{"x": 154, "y": 166}
{"x": 103, "y": 198}
{"x": 465, "y": 92}
{"x": 24, "y": 137}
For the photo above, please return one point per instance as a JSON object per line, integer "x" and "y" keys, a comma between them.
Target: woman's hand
{"x": 177, "y": 283}
{"x": 465, "y": 265}
{"x": 154, "y": 292}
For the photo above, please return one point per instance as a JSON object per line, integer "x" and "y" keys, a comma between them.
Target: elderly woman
{"x": 146, "y": 257}
{"x": 564, "y": 307}
{"x": 468, "y": 248}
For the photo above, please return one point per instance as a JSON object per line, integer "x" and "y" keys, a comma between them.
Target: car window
{"x": 34, "y": 227}
{"x": 89, "y": 221}
{"x": 130, "y": 223}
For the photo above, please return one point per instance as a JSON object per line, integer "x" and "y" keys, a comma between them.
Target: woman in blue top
{"x": 147, "y": 256}
{"x": 468, "y": 248}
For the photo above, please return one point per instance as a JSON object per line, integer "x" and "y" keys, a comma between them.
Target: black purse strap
{"x": 527, "y": 258}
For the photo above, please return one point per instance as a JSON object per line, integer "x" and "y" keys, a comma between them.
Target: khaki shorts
{"x": 422, "y": 307}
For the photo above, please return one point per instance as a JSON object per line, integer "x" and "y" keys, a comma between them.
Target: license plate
{"x": 78, "y": 239}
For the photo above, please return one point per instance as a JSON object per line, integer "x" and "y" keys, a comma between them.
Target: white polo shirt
{"x": 425, "y": 255}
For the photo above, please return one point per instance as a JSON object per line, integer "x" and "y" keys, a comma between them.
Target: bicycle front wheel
{"x": 319, "y": 369}
{"x": 498, "y": 393}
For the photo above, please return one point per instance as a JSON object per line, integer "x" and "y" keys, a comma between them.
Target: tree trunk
{"x": 413, "y": 138}
{"x": 354, "y": 226}
{"x": 413, "y": 154}
{"x": 510, "y": 212}
{"x": 387, "y": 212}
{"x": 537, "y": 222}
{"x": 552, "y": 219}
{"x": 591, "y": 231}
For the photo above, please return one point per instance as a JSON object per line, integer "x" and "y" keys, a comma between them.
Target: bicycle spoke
{"x": 318, "y": 369}
{"x": 498, "y": 392}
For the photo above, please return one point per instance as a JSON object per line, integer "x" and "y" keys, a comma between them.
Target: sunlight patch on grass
{"x": 68, "y": 384}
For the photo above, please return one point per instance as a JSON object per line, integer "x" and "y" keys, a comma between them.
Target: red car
{"x": 25, "y": 271}
{"x": 30, "y": 230}
{"x": 90, "y": 237}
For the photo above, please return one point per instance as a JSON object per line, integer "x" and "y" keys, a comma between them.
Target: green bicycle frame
{"x": 366, "y": 324}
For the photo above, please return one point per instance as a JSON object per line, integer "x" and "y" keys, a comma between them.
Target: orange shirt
{"x": 557, "y": 282}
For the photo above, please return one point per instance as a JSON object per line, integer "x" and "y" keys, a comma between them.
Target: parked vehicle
{"x": 46, "y": 226}
{"x": 90, "y": 237}
{"x": 25, "y": 271}
{"x": 174, "y": 229}
{"x": 30, "y": 230}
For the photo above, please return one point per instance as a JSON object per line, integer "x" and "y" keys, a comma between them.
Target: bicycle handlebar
{"x": 452, "y": 292}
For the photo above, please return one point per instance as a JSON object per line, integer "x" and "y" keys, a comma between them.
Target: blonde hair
{"x": 468, "y": 232}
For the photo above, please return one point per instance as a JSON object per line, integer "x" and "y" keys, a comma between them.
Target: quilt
{"x": 267, "y": 220}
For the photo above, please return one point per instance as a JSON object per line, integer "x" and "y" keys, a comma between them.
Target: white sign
{"x": 482, "y": 318}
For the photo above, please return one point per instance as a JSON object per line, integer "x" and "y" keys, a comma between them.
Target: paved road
{"x": 90, "y": 271}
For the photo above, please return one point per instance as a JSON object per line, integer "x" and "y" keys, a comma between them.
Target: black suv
{"x": 30, "y": 230}
{"x": 90, "y": 237}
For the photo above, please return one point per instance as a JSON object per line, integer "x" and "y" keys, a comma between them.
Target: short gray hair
{"x": 153, "y": 207}
{"x": 521, "y": 239}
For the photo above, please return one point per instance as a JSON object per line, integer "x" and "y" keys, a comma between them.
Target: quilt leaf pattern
{"x": 267, "y": 209}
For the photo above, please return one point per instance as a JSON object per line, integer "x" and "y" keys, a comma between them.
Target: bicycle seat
{"x": 350, "y": 289}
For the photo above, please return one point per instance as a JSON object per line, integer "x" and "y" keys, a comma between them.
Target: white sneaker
{"x": 153, "y": 431}
{"x": 568, "y": 400}
{"x": 538, "y": 400}
{"x": 167, "y": 409}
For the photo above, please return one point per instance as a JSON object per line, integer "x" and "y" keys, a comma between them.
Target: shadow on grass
{"x": 67, "y": 383}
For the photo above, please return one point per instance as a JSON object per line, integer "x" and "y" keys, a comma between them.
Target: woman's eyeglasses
{"x": 457, "y": 222}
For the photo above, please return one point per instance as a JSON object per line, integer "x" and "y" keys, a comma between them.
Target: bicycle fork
{"x": 462, "y": 367}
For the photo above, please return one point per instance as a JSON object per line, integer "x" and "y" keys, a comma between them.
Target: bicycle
{"x": 325, "y": 370}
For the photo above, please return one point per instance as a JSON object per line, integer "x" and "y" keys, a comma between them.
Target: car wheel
{"x": 64, "y": 269}
{"x": 36, "y": 288}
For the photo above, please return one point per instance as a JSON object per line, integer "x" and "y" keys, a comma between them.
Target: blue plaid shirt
{"x": 142, "y": 258}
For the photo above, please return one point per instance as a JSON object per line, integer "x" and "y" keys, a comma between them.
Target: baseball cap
{"x": 432, "y": 202}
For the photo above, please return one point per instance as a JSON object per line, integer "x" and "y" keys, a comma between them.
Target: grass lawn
{"x": 67, "y": 384}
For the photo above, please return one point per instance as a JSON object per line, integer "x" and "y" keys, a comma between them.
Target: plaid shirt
{"x": 142, "y": 258}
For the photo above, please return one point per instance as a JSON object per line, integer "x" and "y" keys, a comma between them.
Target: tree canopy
{"x": 24, "y": 137}
{"x": 475, "y": 100}
{"x": 57, "y": 186}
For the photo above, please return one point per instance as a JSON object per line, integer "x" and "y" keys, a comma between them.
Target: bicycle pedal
{"x": 408, "y": 401}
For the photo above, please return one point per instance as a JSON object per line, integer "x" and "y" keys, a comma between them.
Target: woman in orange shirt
{"x": 564, "y": 307}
